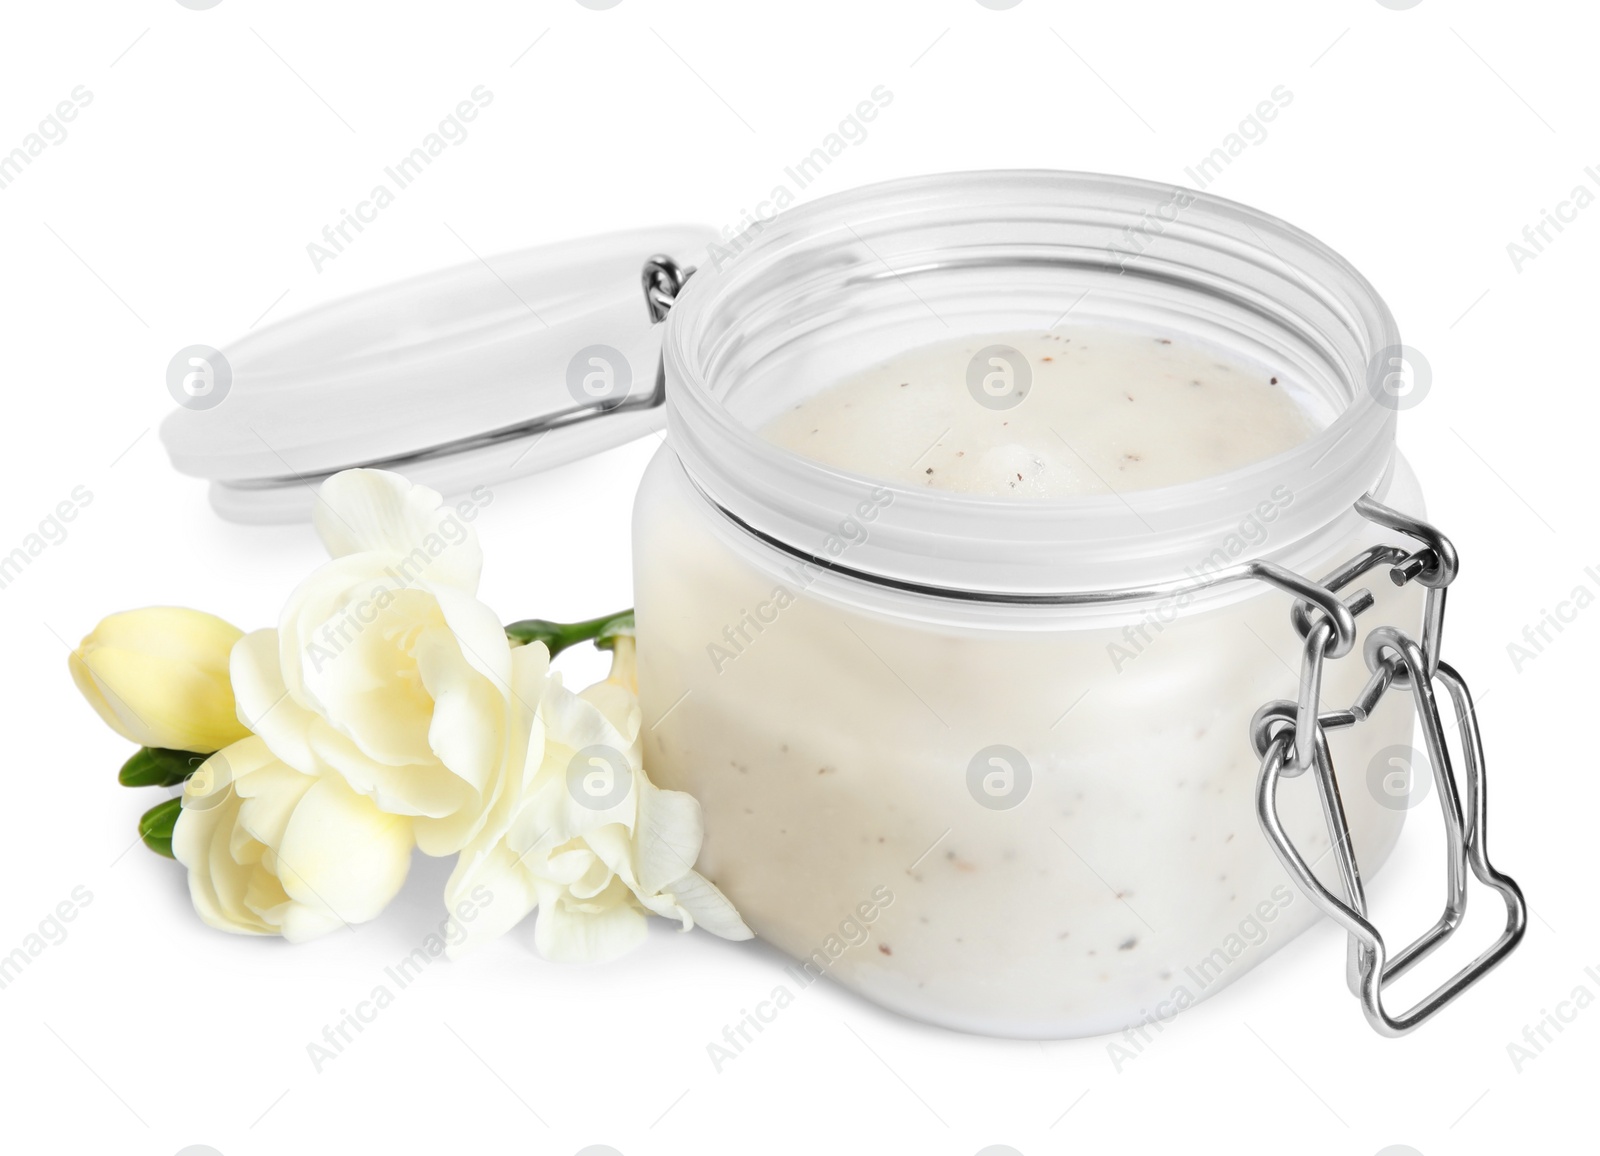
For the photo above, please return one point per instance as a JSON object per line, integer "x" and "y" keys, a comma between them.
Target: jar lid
{"x": 482, "y": 372}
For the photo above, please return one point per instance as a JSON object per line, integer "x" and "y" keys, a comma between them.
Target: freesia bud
{"x": 159, "y": 677}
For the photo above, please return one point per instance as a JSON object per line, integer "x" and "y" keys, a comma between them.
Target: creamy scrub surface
{"x": 1048, "y": 415}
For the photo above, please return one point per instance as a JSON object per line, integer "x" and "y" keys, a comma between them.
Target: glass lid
{"x": 486, "y": 370}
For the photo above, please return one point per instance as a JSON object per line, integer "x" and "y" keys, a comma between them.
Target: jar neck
{"x": 873, "y": 272}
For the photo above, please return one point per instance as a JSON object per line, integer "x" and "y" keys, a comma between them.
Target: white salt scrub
{"x": 852, "y": 745}
{"x": 1104, "y": 410}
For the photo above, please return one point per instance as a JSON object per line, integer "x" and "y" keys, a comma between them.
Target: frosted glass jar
{"x": 940, "y": 758}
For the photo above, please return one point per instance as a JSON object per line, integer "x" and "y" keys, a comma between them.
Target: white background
{"x": 218, "y": 143}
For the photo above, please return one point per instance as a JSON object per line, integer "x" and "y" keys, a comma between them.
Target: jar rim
{"x": 1218, "y": 251}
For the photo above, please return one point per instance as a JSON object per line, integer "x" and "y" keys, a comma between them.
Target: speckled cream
{"x": 1100, "y": 410}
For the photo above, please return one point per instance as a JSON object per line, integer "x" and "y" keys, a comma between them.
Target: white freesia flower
{"x": 581, "y": 834}
{"x": 271, "y": 851}
{"x": 389, "y": 711}
{"x": 385, "y": 669}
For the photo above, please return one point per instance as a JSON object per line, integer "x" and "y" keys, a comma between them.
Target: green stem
{"x": 602, "y": 631}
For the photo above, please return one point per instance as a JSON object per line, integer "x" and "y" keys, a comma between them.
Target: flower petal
{"x": 217, "y": 883}
{"x": 709, "y": 907}
{"x": 619, "y": 706}
{"x": 270, "y": 790}
{"x": 264, "y": 703}
{"x": 511, "y": 893}
{"x": 669, "y": 834}
{"x": 467, "y": 731}
{"x": 478, "y": 632}
{"x": 207, "y": 839}
{"x": 573, "y": 722}
{"x": 594, "y": 932}
{"x": 359, "y": 511}
{"x": 341, "y": 857}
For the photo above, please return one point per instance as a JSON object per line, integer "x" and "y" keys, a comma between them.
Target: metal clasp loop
{"x": 1291, "y": 738}
{"x": 662, "y": 279}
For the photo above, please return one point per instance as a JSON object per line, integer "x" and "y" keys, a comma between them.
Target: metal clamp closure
{"x": 1291, "y": 738}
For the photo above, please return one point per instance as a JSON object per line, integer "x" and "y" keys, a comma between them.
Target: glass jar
{"x": 943, "y": 756}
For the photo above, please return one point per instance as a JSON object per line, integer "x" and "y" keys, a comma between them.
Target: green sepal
{"x": 156, "y": 826}
{"x": 159, "y": 767}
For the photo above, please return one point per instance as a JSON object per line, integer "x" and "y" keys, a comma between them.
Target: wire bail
{"x": 1291, "y": 738}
